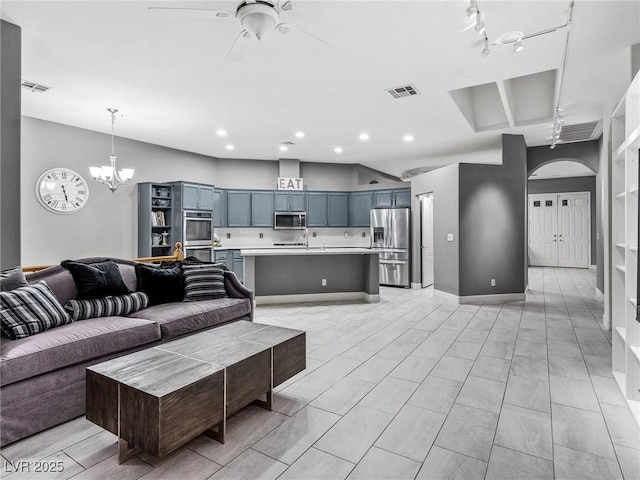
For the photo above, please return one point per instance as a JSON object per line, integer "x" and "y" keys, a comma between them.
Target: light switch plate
{"x": 449, "y": 237}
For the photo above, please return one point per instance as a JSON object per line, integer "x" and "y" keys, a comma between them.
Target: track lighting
{"x": 486, "y": 51}
{"x": 472, "y": 10}
{"x": 517, "y": 46}
{"x": 480, "y": 27}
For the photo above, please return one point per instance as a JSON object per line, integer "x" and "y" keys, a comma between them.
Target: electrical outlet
{"x": 228, "y": 235}
{"x": 364, "y": 234}
{"x": 493, "y": 282}
{"x": 449, "y": 237}
{"x": 314, "y": 234}
{"x": 262, "y": 235}
{"x": 324, "y": 282}
{"x": 346, "y": 234}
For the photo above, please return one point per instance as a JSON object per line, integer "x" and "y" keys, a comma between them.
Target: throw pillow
{"x": 203, "y": 282}
{"x": 11, "y": 279}
{"x": 29, "y": 310}
{"x": 96, "y": 280}
{"x": 120, "y": 305}
{"x": 162, "y": 285}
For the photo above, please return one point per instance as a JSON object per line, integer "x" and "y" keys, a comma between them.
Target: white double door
{"x": 559, "y": 230}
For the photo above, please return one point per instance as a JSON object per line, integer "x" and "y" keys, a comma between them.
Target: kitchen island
{"x": 286, "y": 275}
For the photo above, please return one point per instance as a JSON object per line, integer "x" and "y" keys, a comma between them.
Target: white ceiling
{"x": 169, "y": 80}
{"x": 562, "y": 168}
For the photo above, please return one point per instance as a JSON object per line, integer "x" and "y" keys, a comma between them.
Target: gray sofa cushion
{"x": 72, "y": 344}
{"x": 177, "y": 319}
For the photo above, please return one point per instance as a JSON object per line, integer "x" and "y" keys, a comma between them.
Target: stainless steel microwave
{"x": 290, "y": 220}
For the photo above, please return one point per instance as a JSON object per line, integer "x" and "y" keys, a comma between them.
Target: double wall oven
{"x": 197, "y": 234}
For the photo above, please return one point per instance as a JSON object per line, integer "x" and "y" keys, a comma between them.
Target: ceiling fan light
{"x": 258, "y": 19}
{"x": 518, "y": 46}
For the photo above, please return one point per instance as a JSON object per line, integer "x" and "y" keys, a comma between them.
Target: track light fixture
{"x": 486, "y": 51}
{"x": 480, "y": 26}
{"x": 472, "y": 10}
{"x": 517, "y": 46}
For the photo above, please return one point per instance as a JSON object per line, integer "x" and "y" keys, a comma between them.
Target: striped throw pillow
{"x": 26, "y": 311}
{"x": 119, "y": 305}
{"x": 203, "y": 282}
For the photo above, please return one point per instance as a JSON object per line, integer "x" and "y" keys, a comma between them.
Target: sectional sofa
{"x": 42, "y": 377}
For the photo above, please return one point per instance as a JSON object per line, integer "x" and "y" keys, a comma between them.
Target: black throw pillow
{"x": 96, "y": 280}
{"x": 162, "y": 285}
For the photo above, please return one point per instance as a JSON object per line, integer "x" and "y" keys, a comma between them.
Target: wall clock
{"x": 61, "y": 190}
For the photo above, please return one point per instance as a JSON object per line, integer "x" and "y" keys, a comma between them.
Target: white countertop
{"x": 259, "y": 252}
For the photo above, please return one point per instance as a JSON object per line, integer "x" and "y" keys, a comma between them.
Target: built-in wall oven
{"x": 203, "y": 253}
{"x": 197, "y": 235}
{"x": 197, "y": 228}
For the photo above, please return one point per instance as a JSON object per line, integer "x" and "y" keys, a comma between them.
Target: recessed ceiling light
{"x": 300, "y": 134}
{"x": 221, "y": 133}
{"x": 408, "y": 138}
{"x": 364, "y": 137}
{"x": 229, "y": 147}
{"x": 283, "y": 148}
{"x": 338, "y": 149}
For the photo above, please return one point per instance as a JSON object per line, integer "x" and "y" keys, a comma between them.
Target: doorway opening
{"x": 560, "y": 230}
{"x": 426, "y": 239}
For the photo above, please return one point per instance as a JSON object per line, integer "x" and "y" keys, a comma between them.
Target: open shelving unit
{"x": 625, "y": 137}
{"x": 155, "y": 203}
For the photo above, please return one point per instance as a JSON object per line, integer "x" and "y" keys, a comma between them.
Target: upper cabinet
{"x": 361, "y": 204}
{"x": 289, "y": 201}
{"x": 316, "y": 209}
{"x": 338, "y": 204}
{"x": 402, "y": 198}
{"x": 197, "y": 197}
{"x": 262, "y": 209}
{"x": 219, "y": 208}
{"x": 238, "y": 208}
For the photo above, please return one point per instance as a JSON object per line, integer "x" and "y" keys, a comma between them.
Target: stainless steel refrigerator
{"x": 391, "y": 236}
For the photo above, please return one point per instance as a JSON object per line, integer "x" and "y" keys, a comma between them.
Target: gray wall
{"x": 572, "y": 184}
{"x": 493, "y": 223}
{"x": 443, "y": 183}
{"x": 586, "y": 153}
{"x": 10, "y": 107}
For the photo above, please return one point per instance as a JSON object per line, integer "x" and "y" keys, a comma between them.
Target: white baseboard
{"x": 497, "y": 298}
{"x": 416, "y": 286}
{"x": 593, "y": 267}
{"x": 599, "y": 294}
{"x": 317, "y": 297}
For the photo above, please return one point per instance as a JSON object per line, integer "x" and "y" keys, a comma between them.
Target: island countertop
{"x": 261, "y": 252}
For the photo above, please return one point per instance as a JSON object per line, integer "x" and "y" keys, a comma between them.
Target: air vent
{"x": 404, "y": 91}
{"x": 414, "y": 171}
{"x": 35, "y": 87}
{"x": 579, "y": 132}
{"x": 287, "y": 143}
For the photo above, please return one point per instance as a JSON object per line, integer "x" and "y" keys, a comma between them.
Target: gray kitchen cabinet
{"x": 289, "y": 201}
{"x": 402, "y": 198}
{"x": 262, "y": 209}
{"x": 382, "y": 198}
{"x": 237, "y": 264}
{"x": 316, "y": 209}
{"x": 197, "y": 197}
{"x": 361, "y": 204}
{"x": 238, "y": 208}
{"x": 219, "y": 208}
{"x": 223, "y": 257}
{"x": 338, "y": 205}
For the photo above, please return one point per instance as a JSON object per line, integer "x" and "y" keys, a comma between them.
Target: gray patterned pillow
{"x": 203, "y": 282}
{"x": 120, "y": 305}
{"x": 29, "y": 310}
{"x": 11, "y": 279}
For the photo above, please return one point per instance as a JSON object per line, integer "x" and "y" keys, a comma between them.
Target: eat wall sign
{"x": 285, "y": 183}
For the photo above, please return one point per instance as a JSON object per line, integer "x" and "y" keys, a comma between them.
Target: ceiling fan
{"x": 258, "y": 18}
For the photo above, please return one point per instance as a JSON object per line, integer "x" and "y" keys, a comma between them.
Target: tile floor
{"x": 413, "y": 387}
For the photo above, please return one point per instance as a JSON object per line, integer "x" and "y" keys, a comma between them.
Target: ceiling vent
{"x": 414, "y": 171}
{"x": 404, "y": 91}
{"x": 580, "y": 132}
{"x": 35, "y": 87}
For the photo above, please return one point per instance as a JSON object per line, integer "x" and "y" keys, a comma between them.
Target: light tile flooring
{"x": 413, "y": 387}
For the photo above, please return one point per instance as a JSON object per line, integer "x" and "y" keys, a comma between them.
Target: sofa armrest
{"x": 234, "y": 288}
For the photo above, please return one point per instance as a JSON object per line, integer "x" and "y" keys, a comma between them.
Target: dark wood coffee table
{"x": 157, "y": 399}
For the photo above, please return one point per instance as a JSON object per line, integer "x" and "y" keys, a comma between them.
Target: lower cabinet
{"x": 232, "y": 260}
